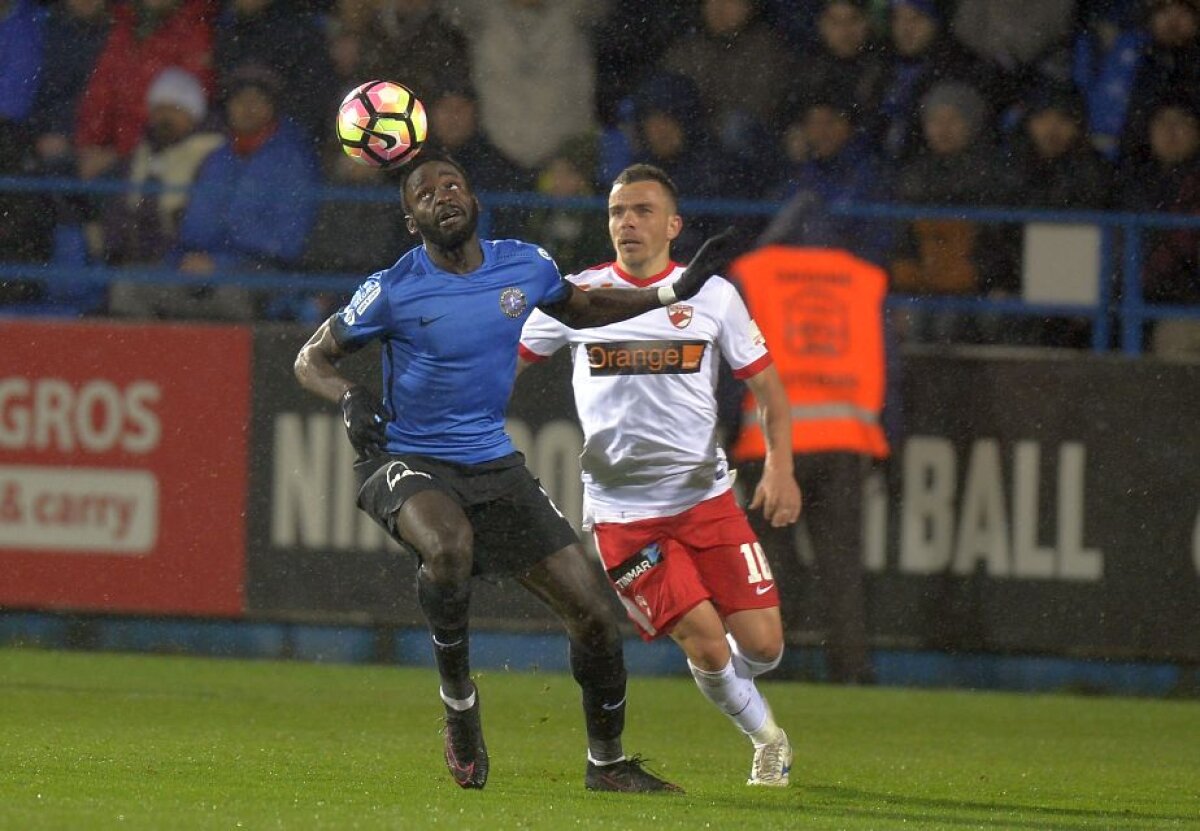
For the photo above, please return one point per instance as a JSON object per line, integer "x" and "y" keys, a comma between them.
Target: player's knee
{"x": 766, "y": 649}
{"x": 447, "y": 555}
{"x": 763, "y": 655}
{"x": 709, "y": 654}
{"x": 595, "y": 628}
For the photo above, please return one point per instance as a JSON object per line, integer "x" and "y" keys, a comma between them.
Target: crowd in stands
{"x": 218, "y": 116}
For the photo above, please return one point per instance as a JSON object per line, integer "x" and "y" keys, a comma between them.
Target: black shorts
{"x": 516, "y": 524}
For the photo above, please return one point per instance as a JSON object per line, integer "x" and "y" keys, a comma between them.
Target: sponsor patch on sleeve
{"x": 362, "y": 300}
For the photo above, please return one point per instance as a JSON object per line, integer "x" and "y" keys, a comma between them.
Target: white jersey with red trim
{"x": 645, "y": 392}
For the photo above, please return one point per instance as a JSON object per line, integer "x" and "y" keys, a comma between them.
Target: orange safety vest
{"x": 821, "y": 314}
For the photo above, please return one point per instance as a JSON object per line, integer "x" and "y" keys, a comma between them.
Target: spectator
{"x": 1105, "y": 60}
{"x": 845, "y": 64}
{"x": 534, "y": 68}
{"x": 147, "y": 37}
{"x": 142, "y": 225}
{"x": 738, "y": 64}
{"x": 840, "y": 169}
{"x": 960, "y": 166}
{"x": 622, "y": 61}
{"x": 922, "y": 54}
{"x": 355, "y": 236}
{"x": 670, "y": 134}
{"x": 415, "y": 45}
{"x": 344, "y": 26}
{"x": 1018, "y": 41}
{"x": 454, "y": 127}
{"x": 1057, "y": 167}
{"x": 26, "y": 221}
{"x": 1171, "y": 63}
{"x": 75, "y": 33}
{"x": 271, "y": 33}
{"x": 252, "y": 205}
{"x": 577, "y": 237}
{"x": 1170, "y": 182}
{"x": 22, "y": 26}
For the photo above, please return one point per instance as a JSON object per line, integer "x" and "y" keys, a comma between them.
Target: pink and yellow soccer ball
{"x": 381, "y": 124}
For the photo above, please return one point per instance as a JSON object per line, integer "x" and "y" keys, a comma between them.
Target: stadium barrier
{"x": 1084, "y": 265}
{"x": 1037, "y": 504}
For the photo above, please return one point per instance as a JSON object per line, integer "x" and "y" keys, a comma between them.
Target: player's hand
{"x": 364, "y": 419}
{"x": 714, "y": 255}
{"x": 779, "y": 497}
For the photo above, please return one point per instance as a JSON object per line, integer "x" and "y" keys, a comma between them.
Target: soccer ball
{"x": 381, "y": 124}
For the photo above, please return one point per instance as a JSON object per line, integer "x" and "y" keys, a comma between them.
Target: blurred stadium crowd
{"x": 217, "y": 119}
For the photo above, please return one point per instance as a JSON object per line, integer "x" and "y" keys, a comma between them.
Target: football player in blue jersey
{"x": 437, "y": 469}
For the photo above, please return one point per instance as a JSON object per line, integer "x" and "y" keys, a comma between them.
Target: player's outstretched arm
{"x": 777, "y": 493}
{"x": 316, "y": 370}
{"x": 598, "y": 307}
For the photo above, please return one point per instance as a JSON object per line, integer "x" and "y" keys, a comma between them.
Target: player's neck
{"x": 647, "y": 270}
{"x": 459, "y": 259}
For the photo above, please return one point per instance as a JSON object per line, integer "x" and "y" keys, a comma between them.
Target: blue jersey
{"x": 449, "y": 345}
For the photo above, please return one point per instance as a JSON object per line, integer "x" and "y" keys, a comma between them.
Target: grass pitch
{"x": 99, "y": 741}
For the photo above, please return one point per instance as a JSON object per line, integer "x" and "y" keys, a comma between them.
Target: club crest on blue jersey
{"x": 364, "y": 297}
{"x": 513, "y": 302}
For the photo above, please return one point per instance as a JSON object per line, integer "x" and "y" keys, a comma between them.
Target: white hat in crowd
{"x": 180, "y": 88}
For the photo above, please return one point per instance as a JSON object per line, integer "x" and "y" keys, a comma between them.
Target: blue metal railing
{"x": 1130, "y": 309}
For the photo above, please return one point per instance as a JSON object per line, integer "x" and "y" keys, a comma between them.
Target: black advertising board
{"x": 1044, "y": 504}
{"x": 1034, "y": 503}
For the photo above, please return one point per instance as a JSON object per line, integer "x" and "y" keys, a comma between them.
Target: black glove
{"x": 364, "y": 419}
{"x": 716, "y": 253}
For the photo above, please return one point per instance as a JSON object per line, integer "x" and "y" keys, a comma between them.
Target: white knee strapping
{"x": 749, "y": 667}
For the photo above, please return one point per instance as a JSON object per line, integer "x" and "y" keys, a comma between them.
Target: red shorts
{"x": 661, "y": 568}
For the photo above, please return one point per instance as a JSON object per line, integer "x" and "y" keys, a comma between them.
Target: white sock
{"x": 747, "y": 667}
{"x": 600, "y": 764}
{"x": 459, "y": 704}
{"x": 739, "y": 699}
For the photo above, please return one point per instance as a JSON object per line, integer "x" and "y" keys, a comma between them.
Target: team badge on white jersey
{"x": 680, "y": 315}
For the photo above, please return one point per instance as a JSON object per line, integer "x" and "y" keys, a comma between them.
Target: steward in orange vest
{"x": 821, "y": 314}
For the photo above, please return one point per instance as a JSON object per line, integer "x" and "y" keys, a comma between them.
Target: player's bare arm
{"x": 598, "y": 307}
{"x": 777, "y": 493}
{"x": 316, "y": 365}
{"x": 316, "y": 370}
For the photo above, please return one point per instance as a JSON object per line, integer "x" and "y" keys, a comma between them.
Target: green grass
{"x": 97, "y": 741}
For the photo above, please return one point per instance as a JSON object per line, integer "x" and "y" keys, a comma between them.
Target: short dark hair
{"x": 648, "y": 173}
{"x": 426, "y": 156}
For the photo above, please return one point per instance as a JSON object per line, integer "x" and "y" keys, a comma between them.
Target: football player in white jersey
{"x": 677, "y": 547}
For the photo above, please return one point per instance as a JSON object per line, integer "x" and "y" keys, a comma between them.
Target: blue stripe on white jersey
{"x": 449, "y": 345}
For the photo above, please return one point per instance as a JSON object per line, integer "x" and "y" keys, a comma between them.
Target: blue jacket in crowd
{"x": 255, "y": 210}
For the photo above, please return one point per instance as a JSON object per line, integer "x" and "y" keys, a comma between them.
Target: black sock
{"x": 601, "y": 676}
{"x": 445, "y": 607}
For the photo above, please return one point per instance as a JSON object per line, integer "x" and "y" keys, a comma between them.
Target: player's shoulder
{"x": 716, "y": 296}
{"x": 515, "y": 250}
{"x": 594, "y": 276}
{"x": 410, "y": 263}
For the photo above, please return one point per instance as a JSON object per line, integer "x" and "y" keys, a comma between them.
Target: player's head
{"x": 439, "y": 204}
{"x": 643, "y": 219}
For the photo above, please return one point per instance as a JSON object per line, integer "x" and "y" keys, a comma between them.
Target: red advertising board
{"x": 123, "y": 467}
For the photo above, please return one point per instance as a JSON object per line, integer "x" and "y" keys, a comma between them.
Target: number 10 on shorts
{"x": 757, "y": 567}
